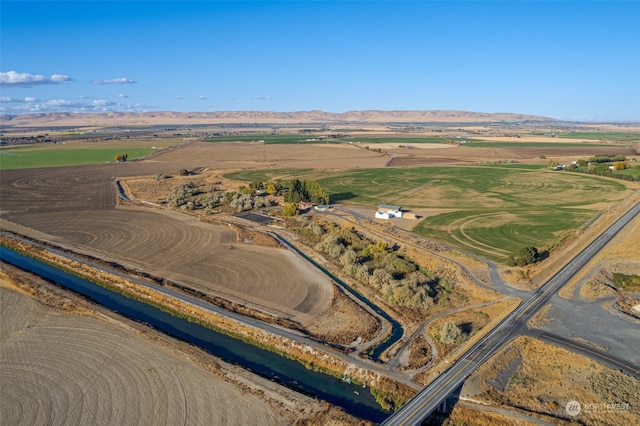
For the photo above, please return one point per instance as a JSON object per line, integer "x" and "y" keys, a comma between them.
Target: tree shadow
{"x": 466, "y": 327}
{"x": 341, "y": 196}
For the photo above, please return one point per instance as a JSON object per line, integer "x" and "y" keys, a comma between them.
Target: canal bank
{"x": 353, "y": 398}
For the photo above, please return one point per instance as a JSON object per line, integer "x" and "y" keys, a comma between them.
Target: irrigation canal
{"x": 352, "y": 398}
{"x": 396, "y": 328}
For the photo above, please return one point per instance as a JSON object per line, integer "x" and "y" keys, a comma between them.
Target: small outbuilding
{"x": 391, "y": 210}
{"x": 382, "y": 215}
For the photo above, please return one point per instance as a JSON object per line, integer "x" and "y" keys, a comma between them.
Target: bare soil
{"x": 344, "y": 322}
{"x": 161, "y": 242}
{"x": 468, "y": 155}
{"x": 66, "y": 361}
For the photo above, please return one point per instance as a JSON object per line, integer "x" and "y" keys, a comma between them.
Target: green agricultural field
{"x": 266, "y": 175}
{"x": 490, "y": 210}
{"x": 273, "y": 139}
{"x": 478, "y": 143}
{"x": 74, "y": 154}
{"x": 400, "y": 140}
{"x": 633, "y": 171}
{"x": 316, "y": 139}
{"x": 608, "y": 136}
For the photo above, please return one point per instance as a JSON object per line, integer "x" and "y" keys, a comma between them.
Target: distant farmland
{"x": 77, "y": 153}
{"x": 491, "y": 210}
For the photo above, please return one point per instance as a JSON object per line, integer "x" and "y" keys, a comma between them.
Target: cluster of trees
{"x": 181, "y": 194}
{"x": 305, "y": 190}
{"x": 599, "y": 165}
{"x": 603, "y": 170}
{"x": 620, "y": 165}
{"x": 524, "y": 256}
{"x": 243, "y": 202}
{"x": 607, "y": 158}
{"x": 271, "y": 188}
{"x": 120, "y": 157}
{"x": 192, "y": 196}
{"x": 399, "y": 280}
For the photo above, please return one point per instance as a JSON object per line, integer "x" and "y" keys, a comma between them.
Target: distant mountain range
{"x": 264, "y": 117}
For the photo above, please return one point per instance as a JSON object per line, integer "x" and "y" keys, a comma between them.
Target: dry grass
{"x": 472, "y": 321}
{"x": 419, "y": 353}
{"x": 542, "y": 378}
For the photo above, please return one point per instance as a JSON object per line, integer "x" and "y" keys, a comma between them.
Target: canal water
{"x": 352, "y": 398}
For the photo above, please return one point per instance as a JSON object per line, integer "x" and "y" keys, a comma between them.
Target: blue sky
{"x": 570, "y": 60}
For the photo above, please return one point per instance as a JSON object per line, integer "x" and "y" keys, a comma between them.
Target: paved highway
{"x": 430, "y": 397}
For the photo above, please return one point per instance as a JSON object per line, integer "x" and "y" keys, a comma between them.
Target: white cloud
{"x": 24, "y": 79}
{"x": 16, "y": 106}
{"x": 123, "y": 96}
{"x": 55, "y": 103}
{"x": 203, "y": 98}
{"x": 263, "y": 98}
{"x": 7, "y": 99}
{"x": 120, "y": 80}
{"x": 59, "y": 78}
{"x": 101, "y": 103}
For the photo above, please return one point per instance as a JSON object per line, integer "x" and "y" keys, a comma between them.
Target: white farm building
{"x": 386, "y": 211}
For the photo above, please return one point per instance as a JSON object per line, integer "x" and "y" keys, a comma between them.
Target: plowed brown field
{"x": 66, "y": 361}
{"x": 76, "y": 207}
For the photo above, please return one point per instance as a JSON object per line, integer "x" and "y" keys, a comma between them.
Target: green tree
{"x": 290, "y": 209}
{"x": 376, "y": 250}
{"x": 271, "y": 188}
{"x": 620, "y": 165}
{"x": 524, "y": 256}
{"x": 451, "y": 333}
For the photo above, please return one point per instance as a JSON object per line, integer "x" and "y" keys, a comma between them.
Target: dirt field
{"x": 541, "y": 378}
{"x": 468, "y": 155}
{"x": 76, "y": 207}
{"x": 66, "y": 362}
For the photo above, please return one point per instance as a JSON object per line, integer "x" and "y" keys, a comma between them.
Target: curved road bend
{"x": 496, "y": 283}
{"x": 430, "y": 397}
